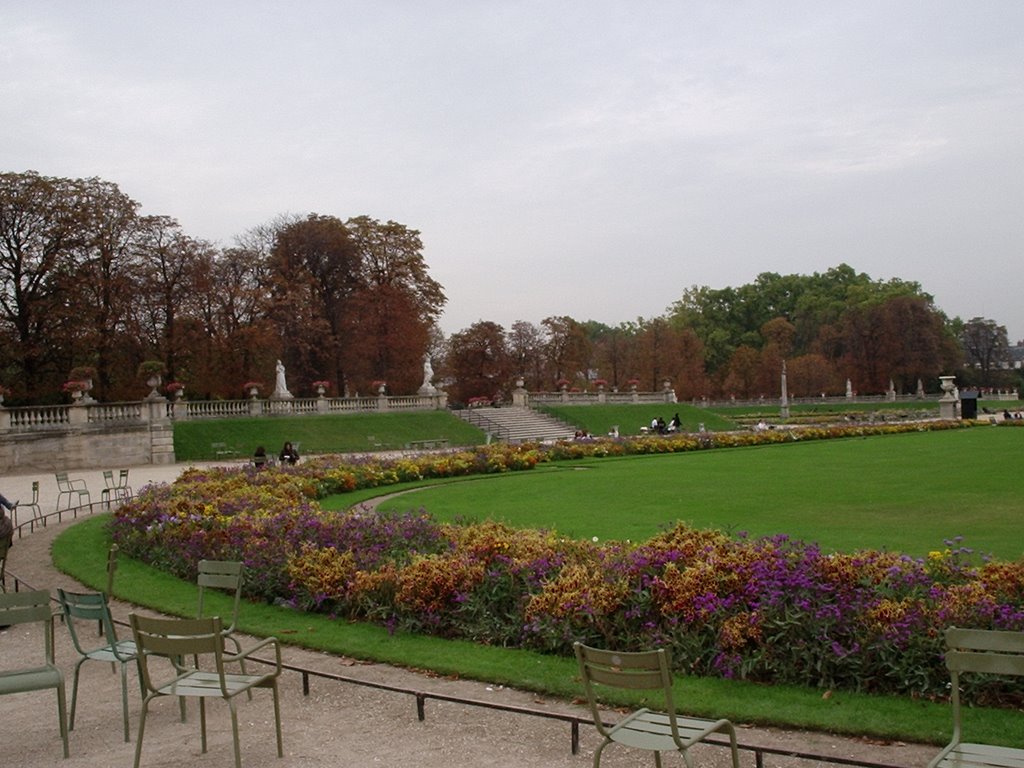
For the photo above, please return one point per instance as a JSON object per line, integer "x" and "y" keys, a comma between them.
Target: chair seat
{"x": 200, "y": 683}
{"x": 983, "y": 756}
{"x": 125, "y": 649}
{"x": 36, "y": 679}
{"x": 646, "y": 729}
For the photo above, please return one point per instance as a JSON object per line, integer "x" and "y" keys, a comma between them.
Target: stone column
{"x": 949, "y": 400}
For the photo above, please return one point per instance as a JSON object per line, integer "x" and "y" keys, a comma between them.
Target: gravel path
{"x": 338, "y": 724}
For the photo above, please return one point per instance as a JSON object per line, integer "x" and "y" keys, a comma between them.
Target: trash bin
{"x": 969, "y": 404}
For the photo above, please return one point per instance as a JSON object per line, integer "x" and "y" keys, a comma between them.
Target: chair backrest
{"x": 62, "y": 481}
{"x": 221, "y": 574}
{"x": 27, "y": 608}
{"x": 108, "y": 478}
{"x": 176, "y": 639}
{"x": 636, "y": 670}
{"x": 122, "y": 478}
{"x": 983, "y": 651}
{"x": 90, "y": 606}
{"x": 35, "y": 492}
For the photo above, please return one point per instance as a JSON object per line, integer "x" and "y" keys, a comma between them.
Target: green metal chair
{"x": 227, "y": 575}
{"x": 644, "y": 729}
{"x": 190, "y": 653}
{"x": 30, "y": 608}
{"x": 979, "y": 651}
{"x": 68, "y": 489}
{"x": 92, "y": 607}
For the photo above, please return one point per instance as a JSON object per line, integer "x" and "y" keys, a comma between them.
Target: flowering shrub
{"x": 75, "y": 386}
{"x": 174, "y": 387}
{"x": 323, "y": 383}
{"x": 250, "y": 385}
{"x": 769, "y": 609}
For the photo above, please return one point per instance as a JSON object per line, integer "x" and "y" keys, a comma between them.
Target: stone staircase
{"x": 517, "y": 424}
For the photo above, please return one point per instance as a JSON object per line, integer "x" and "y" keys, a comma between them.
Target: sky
{"x": 592, "y": 159}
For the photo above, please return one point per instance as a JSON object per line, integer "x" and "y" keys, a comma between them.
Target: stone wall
{"x": 85, "y": 447}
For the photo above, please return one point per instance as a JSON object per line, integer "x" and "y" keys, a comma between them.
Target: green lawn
{"x": 600, "y": 419}
{"x": 903, "y": 492}
{"x": 334, "y": 433}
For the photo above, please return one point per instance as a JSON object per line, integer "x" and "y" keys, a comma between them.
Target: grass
{"x": 907, "y": 493}
{"x": 601, "y": 419}
{"x": 334, "y": 433}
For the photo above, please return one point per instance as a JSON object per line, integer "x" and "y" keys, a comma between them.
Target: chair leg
{"x": 74, "y": 694}
{"x": 657, "y": 759}
{"x": 234, "y": 732}
{"x": 202, "y": 721}
{"x": 277, "y": 720}
{"x": 124, "y": 700}
{"x": 62, "y": 716}
{"x": 142, "y": 729}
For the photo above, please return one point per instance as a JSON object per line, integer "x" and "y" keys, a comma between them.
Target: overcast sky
{"x": 591, "y": 159}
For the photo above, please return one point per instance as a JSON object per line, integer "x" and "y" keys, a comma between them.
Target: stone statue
{"x": 280, "y": 387}
{"x": 427, "y": 387}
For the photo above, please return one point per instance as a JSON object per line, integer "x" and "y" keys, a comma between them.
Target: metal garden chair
{"x": 31, "y": 608}
{"x": 979, "y": 651}
{"x": 70, "y": 488}
{"x": 93, "y": 607}
{"x": 191, "y": 654}
{"x": 644, "y": 729}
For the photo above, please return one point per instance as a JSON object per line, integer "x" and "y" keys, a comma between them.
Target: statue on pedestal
{"x": 427, "y": 387}
{"x": 280, "y": 387}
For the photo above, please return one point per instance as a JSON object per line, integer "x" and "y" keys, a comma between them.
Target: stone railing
{"x": 88, "y": 433}
{"x": 593, "y": 397}
{"x": 90, "y": 412}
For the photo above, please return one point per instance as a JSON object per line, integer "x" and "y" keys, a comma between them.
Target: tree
{"x": 394, "y": 305}
{"x": 314, "y": 269}
{"x": 38, "y": 234}
{"x": 478, "y": 362}
{"x": 526, "y": 352}
{"x": 566, "y": 348}
{"x": 986, "y": 346}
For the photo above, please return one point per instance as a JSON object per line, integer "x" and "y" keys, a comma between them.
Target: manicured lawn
{"x": 907, "y": 493}
{"x": 601, "y": 419}
{"x": 334, "y": 433}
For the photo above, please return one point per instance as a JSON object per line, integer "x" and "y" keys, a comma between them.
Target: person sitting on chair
{"x": 259, "y": 459}
{"x": 288, "y": 454}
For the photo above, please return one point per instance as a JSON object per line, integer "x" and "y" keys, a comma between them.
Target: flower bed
{"x": 771, "y": 609}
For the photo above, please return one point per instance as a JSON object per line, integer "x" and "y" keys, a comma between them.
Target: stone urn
{"x": 153, "y": 382}
{"x": 320, "y": 391}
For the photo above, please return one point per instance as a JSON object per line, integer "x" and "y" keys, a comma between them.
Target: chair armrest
{"x": 251, "y": 650}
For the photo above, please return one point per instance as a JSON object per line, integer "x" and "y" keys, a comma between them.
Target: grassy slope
{"x": 599, "y": 419}
{"x": 335, "y": 433}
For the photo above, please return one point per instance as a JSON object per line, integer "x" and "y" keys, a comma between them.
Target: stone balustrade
{"x": 87, "y": 433}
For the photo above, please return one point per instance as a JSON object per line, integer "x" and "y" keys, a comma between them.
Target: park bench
{"x": 439, "y": 442}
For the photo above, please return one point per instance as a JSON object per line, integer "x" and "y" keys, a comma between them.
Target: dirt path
{"x": 338, "y": 724}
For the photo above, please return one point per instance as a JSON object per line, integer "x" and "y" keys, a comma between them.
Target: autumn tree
{"x": 478, "y": 362}
{"x": 526, "y": 353}
{"x": 566, "y": 349}
{"x": 393, "y": 307}
{"x": 38, "y": 234}
{"x": 314, "y": 270}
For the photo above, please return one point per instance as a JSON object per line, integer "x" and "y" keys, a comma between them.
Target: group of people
{"x": 658, "y": 425}
{"x": 289, "y": 455}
